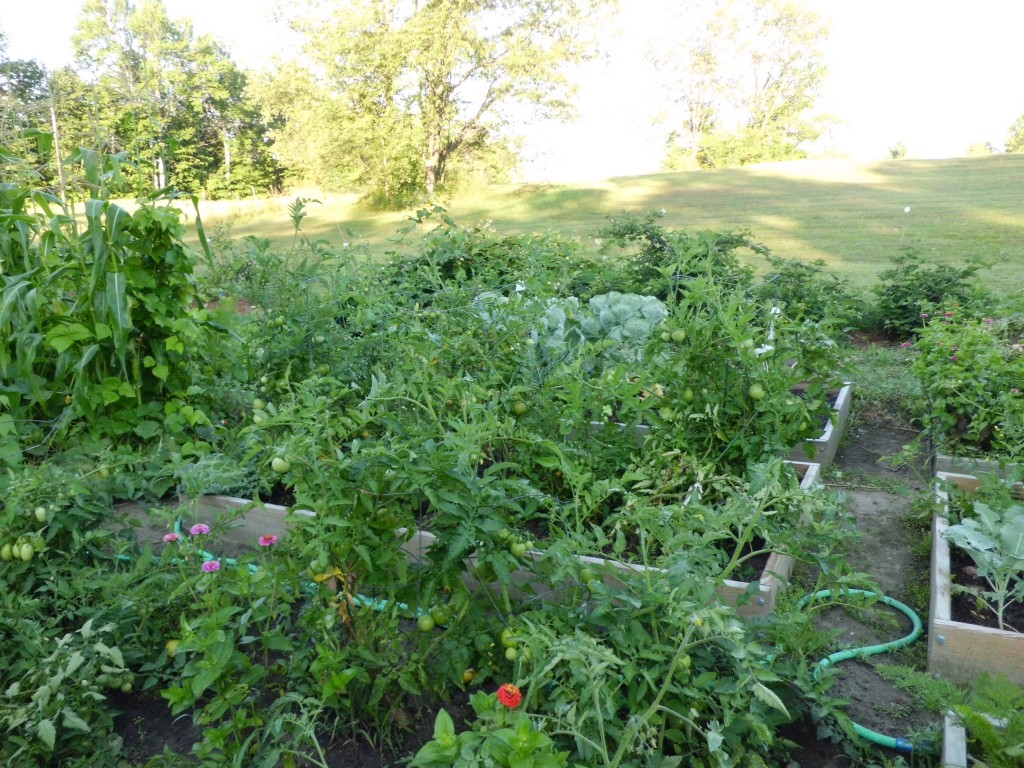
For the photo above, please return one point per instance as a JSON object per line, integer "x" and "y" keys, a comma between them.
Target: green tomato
{"x": 678, "y": 335}
{"x": 517, "y": 548}
{"x": 519, "y": 408}
{"x": 40, "y": 514}
{"x": 440, "y": 614}
{"x": 688, "y": 396}
{"x": 319, "y": 339}
{"x": 26, "y": 552}
{"x": 665, "y": 336}
{"x": 279, "y": 465}
{"x": 508, "y": 640}
{"x": 257, "y": 418}
{"x": 425, "y": 623}
{"x": 259, "y": 405}
{"x": 756, "y": 392}
{"x": 6, "y": 552}
{"x": 511, "y": 654}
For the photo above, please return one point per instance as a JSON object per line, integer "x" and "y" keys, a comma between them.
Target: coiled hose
{"x": 882, "y": 740}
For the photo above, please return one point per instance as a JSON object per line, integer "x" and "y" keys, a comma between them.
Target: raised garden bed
{"x": 822, "y": 450}
{"x": 957, "y": 650}
{"x": 964, "y": 465}
{"x": 751, "y": 598}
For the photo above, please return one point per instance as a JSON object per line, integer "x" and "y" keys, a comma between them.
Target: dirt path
{"x": 891, "y": 549}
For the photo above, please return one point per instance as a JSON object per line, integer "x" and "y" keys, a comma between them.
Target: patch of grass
{"x": 848, "y": 214}
{"x": 885, "y": 385}
{"x": 928, "y": 692}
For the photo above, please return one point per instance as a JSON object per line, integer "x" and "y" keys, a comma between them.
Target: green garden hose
{"x": 899, "y": 744}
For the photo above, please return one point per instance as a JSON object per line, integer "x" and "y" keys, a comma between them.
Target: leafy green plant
{"x": 805, "y": 291}
{"x": 970, "y": 372}
{"x": 994, "y": 538}
{"x": 915, "y": 287}
{"x": 96, "y": 325}
{"x": 994, "y": 719}
{"x": 497, "y": 737}
{"x": 52, "y": 707}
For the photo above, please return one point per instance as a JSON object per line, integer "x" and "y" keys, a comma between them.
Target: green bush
{"x": 915, "y": 287}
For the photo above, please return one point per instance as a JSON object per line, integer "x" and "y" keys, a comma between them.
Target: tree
{"x": 1016, "y": 141}
{"x": 422, "y": 87}
{"x": 177, "y": 105}
{"x": 746, "y": 81}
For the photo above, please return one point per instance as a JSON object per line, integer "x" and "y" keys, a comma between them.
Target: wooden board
{"x": 750, "y": 599}
{"x": 242, "y": 522}
{"x": 959, "y": 651}
{"x": 966, "y": 465}
{"x": 954, "y": 743}
{"x": 826, "y": 447}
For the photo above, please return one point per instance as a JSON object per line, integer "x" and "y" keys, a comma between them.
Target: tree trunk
{"x": 227, "y": 157}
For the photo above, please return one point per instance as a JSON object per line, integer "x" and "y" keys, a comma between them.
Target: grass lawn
{"x": 850, "y": 215}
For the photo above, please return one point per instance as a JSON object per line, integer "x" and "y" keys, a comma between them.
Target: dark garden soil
{"x": 891, "y": 550}
{"x": 968, "y": 609}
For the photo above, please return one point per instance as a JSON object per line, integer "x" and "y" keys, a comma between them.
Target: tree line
{"x": 398, "y": 99}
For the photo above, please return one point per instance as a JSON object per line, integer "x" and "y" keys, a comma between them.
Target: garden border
{"x": 956, "y": 650}
{"x": 826, "y": 446}
{"x": 261, "y": 519}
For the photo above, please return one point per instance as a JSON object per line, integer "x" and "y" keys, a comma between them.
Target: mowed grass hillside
{"x": 852, "y": 216}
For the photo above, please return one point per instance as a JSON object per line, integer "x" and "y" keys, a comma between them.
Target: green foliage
{"x": 1015, "y": 142}
{"x": 450, "y": 434}
{"x": 805, "y": 291}
{"x": 970, "y": 373}
{"x": 994, "y": 719}
{"x": 96, "y": 326}
{"x": 176, "y": 103}
{"x": 745, "y": 79}
{"x": 52, "y": 708}
{"x": 496, "y": 736}
{"x": 995, "y": 541}
{"x": 416, "y": 94}
{"x": 658, "y": 262}
{"x": 912, "y": 289}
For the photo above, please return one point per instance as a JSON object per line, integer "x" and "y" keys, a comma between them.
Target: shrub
{"x": 806, "y": 292}
{"x": 916, "y": 286}
{"x": 971, "y": 373}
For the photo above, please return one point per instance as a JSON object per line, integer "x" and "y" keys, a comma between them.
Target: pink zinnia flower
{"x": 199, "y": 529}
{"x": 268, "y": 540}
{"x": 949, "y": 314}
{"x": 169, "y": 537}
{"x": 989, "y": 321}
{"x": 211, "y": 565}
{"x": 923, "y": 315}
{"x": 906, "y": 345}
{"x": 952, "y": 358}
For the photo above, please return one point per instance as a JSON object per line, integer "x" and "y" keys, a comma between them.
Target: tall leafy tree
{"x": 178, "y": 106}
{"x": 1015, "y": 143}
{"x": 747, "y": 80}
{"x": 420, "y": 89}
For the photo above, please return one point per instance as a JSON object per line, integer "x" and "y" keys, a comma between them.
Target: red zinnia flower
{"x": 509, "y": 695}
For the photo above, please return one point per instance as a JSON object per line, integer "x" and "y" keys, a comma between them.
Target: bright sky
{"x": 936, "y": 75}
